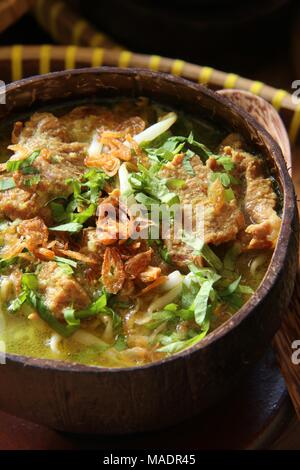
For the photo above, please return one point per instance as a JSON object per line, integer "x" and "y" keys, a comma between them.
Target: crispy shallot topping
{"x": 113, "y": 274}
{"x": 138, "y": 264}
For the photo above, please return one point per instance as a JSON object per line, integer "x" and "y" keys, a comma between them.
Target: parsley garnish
{"x": 7, "y": 183}
{"x": 149, "y": 189}
{"x": 25, "y": 165}
{"x": 187, "y": 164}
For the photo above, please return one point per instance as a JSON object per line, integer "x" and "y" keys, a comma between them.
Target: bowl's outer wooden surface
{"x": 85, "y": 399}
{"x": 257, "y": 414}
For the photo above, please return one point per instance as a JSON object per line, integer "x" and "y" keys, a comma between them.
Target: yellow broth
{"x": 32, "y": 338}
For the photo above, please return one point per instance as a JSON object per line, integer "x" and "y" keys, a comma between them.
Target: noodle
{"x": 166, "y": 299}
{"x": 108, "y": 334}
{"x": 87, "y": 339}
{"x": 257, "y": 262}
{"x": 54, "y": 342}
{"x": 6, "y": 289}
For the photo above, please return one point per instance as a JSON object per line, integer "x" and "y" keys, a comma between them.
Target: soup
{"x": 128, "y": 232}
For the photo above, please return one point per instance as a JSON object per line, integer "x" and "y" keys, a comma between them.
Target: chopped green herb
{"x": 188, "y": 294}
{"x": 225, "y": 178}
{"x": 4, "y": 263}
{"x": 171, "y": 307}
{"x": 157, "y": 318}
{"x": 229, "y": 194}
{"x": 121, "y": 343}
{"x": 32, "y": 181}
{"x": 30, "y": 295}
{"x": 149, "y": 189}
{"x": 67, "y": 261}
{"x": 177, "y": 346}
{"x": 165, "y": 255}
{"x": 96, "y": 307}
{"x": 231, "y": 288}
{"x": 24, "y": 165}
{"x": 198, "y": 147}
{"x": 17, "y": 303}
{"x": 147, "y": 201}
{"x": 66, "y": 268}
{"x": 200, "y": 305}
{"x": 58, "y": 211}
{"x": 187, "y": 164}
{"x": 29, "y": 283}
{"x": 29, "y": 280}
{"x": 87, "y": 191}
{"x": 69, "y": 316}
{"x": 7, "y": 183}
{"x": 200, "y": 248}
{"x": 46, "y": 315}
{"x": 164, "y": 148}
{"x": 72, "y": 227}
{"x": 245, "y": 289}
{"x": 83, "y": 216}
{"x": 175, "y": 183}
{"x": 225, "y": 161}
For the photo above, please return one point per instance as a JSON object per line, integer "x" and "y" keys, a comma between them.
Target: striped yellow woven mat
{"x": 67, "y": 27}
{"x": 19, "y": 61}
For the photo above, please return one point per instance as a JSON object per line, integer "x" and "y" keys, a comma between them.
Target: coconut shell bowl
{"x": 77, "y": 398}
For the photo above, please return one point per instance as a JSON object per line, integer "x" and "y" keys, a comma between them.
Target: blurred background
{"x": 256, "y": 38}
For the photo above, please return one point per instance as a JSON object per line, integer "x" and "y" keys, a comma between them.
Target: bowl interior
{"x": 31, "y": 93}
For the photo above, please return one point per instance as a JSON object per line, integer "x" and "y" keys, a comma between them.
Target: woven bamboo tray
{"x": 17, "y": 62}
{"x": 12, "y": 10}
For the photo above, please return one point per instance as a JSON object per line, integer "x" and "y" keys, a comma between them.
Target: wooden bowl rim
{"x": 279, "y": 253}
{"x": 235, "y": 92}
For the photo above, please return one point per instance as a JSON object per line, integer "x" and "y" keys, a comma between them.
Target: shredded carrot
{"x": 153, "y": 285}
{"x": 44, "y": 254}
{"x": 115, "y": 193}
{"x": 117, "y": 148}
{"x": 76, "y": 255}
{"x": 107, "y": 162}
